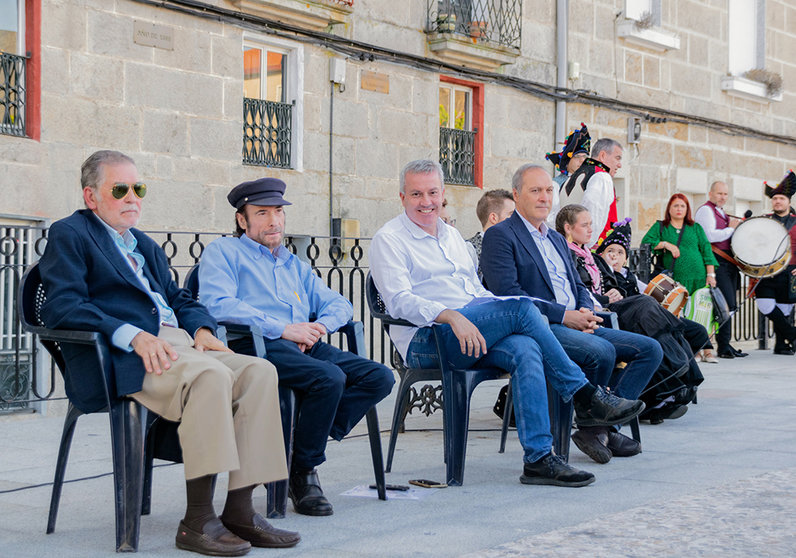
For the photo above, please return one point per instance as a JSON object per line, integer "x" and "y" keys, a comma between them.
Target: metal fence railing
{"x": 495, "y": 21}
{"x": 28, "y": 377}
{"x": 12, "y": 94}
{"x": 457, "y": 155}
{"x": 267, "y": 133}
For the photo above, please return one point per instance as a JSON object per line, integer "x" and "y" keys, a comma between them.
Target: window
{"x": 12, "y": 67}
{"x": 747, "y": 40}
{"x": 487, "y": 20}
{"x": 642, "y": 26}
{"x": 271, "y": 85}
{"x": 646, "y": 11}
{"x": 460, "y": 118}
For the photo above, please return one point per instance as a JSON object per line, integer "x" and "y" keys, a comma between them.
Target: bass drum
{"x": 761, "y": 246}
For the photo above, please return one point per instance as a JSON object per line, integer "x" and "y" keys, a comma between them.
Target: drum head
{"x": 760, "y": 241}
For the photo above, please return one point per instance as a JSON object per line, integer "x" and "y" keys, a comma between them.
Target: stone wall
{"x": 178, "y": 112}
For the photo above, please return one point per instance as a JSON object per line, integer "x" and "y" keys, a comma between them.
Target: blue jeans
{"x": 520, "y": 342}
{"x": 597, "y": 353}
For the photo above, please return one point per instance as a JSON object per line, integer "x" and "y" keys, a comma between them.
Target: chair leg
{"x": 634, "y": 429}
{"x": 60, "y": 466}
{"x": 504, "y": 431}
{"x": 399, "y": 411}
{"x": 375, "y": 451}
{"x": 128, "y": 424}
{"x": 560, "y": 422}
{"x": 276, "y": 498}
{"x": 456, "y": 389}
{"x": 149, "y": 458}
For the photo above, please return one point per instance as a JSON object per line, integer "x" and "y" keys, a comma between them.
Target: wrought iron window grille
{"x": 495, "y": 21}
{"x": 267, "y": 133}
{"x": 12, "y": 94}
{"x": 457, "y": 155}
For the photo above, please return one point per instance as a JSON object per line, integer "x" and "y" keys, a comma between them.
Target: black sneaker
{"x": 606, "y": 409}
{"x": 551, "y": 469}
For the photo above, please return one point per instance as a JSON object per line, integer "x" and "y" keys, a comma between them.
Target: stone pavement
{"x": 717, "y": 482}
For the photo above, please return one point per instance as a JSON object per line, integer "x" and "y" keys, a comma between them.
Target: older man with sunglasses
{"x": 101, "y": 274}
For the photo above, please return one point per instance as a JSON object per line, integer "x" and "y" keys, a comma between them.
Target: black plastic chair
{"x": 277, "y": 491}
{"x": 129, "y": 421}
{"x": 457, "y": 389}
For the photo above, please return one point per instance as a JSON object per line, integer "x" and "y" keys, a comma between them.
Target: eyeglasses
{"x": 120, "y": 189}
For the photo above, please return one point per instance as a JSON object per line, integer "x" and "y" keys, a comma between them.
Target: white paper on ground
{"x": 364, "y": 491}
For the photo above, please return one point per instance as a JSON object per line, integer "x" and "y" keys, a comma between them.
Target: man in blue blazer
{"x": 522, "y": 256}
{"x": 101, "y": 274}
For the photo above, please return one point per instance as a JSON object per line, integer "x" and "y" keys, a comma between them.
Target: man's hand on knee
{"x": 204, "y": 340}
{"x": 470, "y": 339}
{"x": 156, "y": 353}
{"x": 304, "y": 334}
{"x": 582, "y": 320}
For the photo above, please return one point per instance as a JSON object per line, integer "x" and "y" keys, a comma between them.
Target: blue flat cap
{"x": 263, "y": 191}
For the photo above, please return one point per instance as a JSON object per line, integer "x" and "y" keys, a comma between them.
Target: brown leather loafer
{"x": 263, "y": 534}
{"x": 214, "y": 540}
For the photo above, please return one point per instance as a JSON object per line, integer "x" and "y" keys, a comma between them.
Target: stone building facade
{"x": 164, "y": 82}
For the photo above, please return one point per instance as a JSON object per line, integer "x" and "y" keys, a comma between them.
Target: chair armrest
{"x": 355, "y": 337}
{"x": 65, "y": 335}
{"x": 610, "y": 319}
{"x": 227, "y": 331}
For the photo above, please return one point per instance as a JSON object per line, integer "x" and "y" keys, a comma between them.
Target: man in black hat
{"x": 774, "y": 295}
{"x": 253, "y": 279}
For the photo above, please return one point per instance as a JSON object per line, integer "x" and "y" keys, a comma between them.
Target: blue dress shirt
{"x": 241, "y": 281}
{"x": 555, "y": 265}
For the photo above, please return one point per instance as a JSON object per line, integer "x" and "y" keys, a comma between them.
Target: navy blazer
{"x": 512, "y": 265}
{"x": 91, "y": 287}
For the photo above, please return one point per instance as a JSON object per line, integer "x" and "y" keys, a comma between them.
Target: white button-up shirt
{"x": 707, "y": 219}
{"x": 419, "y": 275}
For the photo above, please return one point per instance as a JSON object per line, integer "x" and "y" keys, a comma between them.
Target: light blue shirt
{"x": 126, "y": 245}
{"x": 242, "y": 282}
{"x": 556, "y": 268}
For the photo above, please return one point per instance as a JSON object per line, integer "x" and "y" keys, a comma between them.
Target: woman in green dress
{"x": 695, "y": 263}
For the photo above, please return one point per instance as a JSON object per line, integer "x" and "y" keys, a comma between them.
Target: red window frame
{"x": 478, "y": 123}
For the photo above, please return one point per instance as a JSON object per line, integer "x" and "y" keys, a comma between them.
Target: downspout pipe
{"x": 562, "y": 31}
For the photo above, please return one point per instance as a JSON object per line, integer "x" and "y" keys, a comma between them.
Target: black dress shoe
{"x": 784, "y": 350}
{"x": 738, "y": 353}
{"x": 668, "y": 411}
{"x": 551, "y": 469}
{"x": 213, "y": 540}
{"x": 593, "y": 441}
{"x": 262, "y": 534}
{"x": 727, "y": 353}
{"x": 305, "y": 491}
{"x": 606, "y": 409}
{"x": 621, "y": 445}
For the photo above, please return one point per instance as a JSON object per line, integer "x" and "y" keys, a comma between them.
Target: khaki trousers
{"x": 228, "y": 408}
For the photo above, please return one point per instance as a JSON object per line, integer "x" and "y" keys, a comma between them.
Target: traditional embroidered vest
{"x": 574, "y": 189}
{"x": 722, "y": 222}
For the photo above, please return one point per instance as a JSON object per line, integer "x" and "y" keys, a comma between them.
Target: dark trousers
{"x": 727, "y": 280}
{"x": 334, "y": 389}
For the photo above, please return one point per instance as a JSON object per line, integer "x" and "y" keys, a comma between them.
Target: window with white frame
{"x": 12, "y": 26}
{"x": 644, "y": 10}
{"x": 272, "y": 108}
{"x": 747, "y": 40}
{"x": 13, "y": 67}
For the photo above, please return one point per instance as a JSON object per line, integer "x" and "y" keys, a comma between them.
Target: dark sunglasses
{"x": 120, "y": 189}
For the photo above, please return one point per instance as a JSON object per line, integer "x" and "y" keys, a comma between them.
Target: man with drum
{"x": 774, "y": 294}
{"x": 719, "y": 228}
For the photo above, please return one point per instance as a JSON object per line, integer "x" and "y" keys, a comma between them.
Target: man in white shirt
{"x": 719, "y": 227}
{"x": 424, "y": 274}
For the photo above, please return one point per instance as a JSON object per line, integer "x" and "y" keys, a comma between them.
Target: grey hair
{"x": 91, "y": 171}
{"x": 568, "y": 215}
{"x": 421, "y": 166}
{"x": 516, "y": 180}
{"x": 604, "y": 144}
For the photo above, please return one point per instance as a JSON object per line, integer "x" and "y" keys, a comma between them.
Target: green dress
{"x": 695, "y": 253}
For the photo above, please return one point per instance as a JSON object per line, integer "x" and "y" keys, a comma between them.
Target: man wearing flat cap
{"x": 253, "y": 279}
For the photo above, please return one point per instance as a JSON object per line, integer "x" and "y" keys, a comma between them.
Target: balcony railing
{"x": 267, "y": 133}
{"x": 457, "y": 155}
{"x": 12, "y": 94}
{"x": 27, "y": 376}
{"x": 495, "y": 21}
